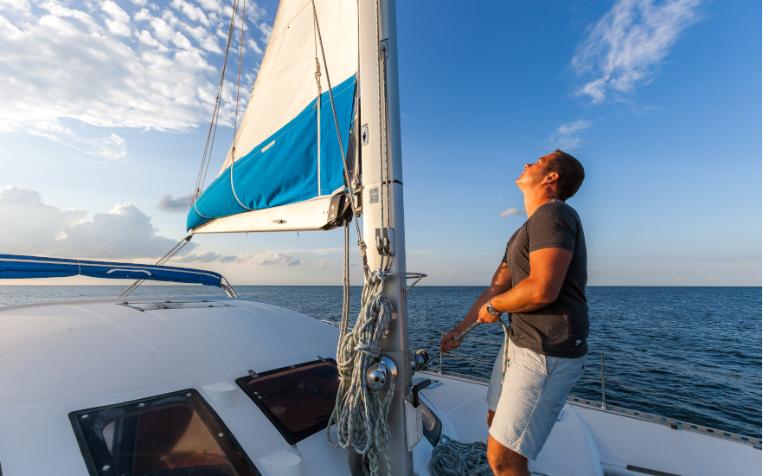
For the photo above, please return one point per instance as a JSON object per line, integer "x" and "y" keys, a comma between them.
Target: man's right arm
{"x": 500, "y": 283}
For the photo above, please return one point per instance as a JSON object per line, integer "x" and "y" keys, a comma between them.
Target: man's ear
{"x": 550, "y": 178}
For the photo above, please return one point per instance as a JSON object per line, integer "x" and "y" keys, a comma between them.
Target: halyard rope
{"x": 453, "y": 458}
{"x": 359, "y": 414}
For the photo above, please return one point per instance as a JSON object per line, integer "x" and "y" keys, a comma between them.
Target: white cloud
{"x": 142, "y": 15}
{"x": 209, "y": 257}
{"x": 211, "y": 5}
{"x": 280, "y": 257}
{"x": 182, "y": 42}
{"x": 569, "y": 135}
{"x": 626, "y": 47}
{"x": 18, "y": 5}
{"x": 145, "y": 37}
{"x": 65, "y": 68}
{"x": 191, "y": 11}
{"x": 118, "y": 21}
{"x": 509, "y": 212}
{"x": 34, "y": 227}
{"x": 168, "y": 203}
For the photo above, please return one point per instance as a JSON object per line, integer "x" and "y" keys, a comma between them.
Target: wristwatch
{"x": 493, "y": 310}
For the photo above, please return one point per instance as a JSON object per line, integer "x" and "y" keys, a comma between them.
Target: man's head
{"x": 557, "y": 173}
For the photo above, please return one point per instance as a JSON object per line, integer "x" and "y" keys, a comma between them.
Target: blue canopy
{"x": 20, "y": 267}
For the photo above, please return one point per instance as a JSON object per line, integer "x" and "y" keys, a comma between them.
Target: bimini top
{"x": 22, "y": 267}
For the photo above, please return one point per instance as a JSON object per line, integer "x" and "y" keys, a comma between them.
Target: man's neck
{"x": 532, "y": 203}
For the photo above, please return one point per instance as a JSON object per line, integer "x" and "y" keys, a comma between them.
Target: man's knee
{"x": 490, "y": 415}
{"x": 504, "y": 461}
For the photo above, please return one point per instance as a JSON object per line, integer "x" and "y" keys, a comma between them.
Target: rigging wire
{"x": 347, "y": 179}
{"x": 235, "y": 122}
{"x": 318, "y": 101}
{"x": 169, "y": 254}
{"x": 206, "y": 157}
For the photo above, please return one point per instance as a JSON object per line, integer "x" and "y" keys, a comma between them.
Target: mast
{"x": 383, "y": 197}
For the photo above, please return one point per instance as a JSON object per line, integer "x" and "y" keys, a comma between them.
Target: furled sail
{"x": 286, "y": 164}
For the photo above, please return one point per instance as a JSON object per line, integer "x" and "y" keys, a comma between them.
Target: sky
{"x": 104, "y": 108}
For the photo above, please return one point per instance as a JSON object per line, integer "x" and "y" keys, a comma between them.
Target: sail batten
{"x": 286, "y": 150}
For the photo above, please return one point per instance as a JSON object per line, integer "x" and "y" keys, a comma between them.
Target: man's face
{"x": 533, "y": 173}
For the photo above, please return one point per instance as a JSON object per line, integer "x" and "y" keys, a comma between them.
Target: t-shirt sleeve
{"x": 552, "y": 226}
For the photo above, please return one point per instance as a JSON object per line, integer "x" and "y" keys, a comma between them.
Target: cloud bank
{"x": 627, "y": 46}
{"x": 208, "y": 257}
{"x": 168, "y": 203}
{"x": 33, "y": 227}
{"x": 281, "y": 258}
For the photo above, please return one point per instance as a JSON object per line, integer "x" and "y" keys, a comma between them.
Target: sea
{"x": 688, "y": 353}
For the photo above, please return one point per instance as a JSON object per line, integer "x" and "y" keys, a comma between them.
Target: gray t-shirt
{"x": 559, "y": 329}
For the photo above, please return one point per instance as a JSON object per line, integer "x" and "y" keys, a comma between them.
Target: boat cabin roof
{"x": 67, "y": 357}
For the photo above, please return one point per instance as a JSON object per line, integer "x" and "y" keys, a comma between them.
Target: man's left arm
{"x": 548, "y": 268}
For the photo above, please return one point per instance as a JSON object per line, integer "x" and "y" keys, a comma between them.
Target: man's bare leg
{"x": 490, "y": 415}
{"x": 503, "y": 461}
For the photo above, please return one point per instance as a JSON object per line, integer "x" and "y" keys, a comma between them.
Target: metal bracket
{"x": 416, "y": 277}
{"x": 384, "y": 242}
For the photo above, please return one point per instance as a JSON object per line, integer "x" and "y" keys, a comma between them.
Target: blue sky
{"x": 104, "y": 108}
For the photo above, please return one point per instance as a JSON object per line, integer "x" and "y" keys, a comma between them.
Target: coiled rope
{"x": 360, "y": 415}
{"x": 452, "y": 458}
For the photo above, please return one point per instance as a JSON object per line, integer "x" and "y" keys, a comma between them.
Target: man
{"x": 541, "y": 283}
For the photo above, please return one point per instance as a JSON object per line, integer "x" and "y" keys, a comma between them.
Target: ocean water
{"x": 688, "y": 353}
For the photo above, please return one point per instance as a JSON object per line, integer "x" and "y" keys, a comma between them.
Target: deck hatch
{"x": 159, "y": 305}
{"x": 175, "y": 434}
{"x": 298, "y": 399}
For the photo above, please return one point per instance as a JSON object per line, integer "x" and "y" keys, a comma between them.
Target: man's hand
{"x": 450, "y": 341}
{"x": 485, "y": 317}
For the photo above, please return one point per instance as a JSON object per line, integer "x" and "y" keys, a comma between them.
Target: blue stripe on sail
{"x": 283, "y": 168}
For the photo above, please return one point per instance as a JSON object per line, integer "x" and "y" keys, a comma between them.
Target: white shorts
{"x": 528, "y": 400}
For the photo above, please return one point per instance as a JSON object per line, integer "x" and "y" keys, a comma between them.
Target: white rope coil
{"x": 359, "y": 414}
{"x": 452, "y": 458}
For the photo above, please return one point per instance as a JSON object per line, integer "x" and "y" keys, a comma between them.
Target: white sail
{"x": 286, "y": 95}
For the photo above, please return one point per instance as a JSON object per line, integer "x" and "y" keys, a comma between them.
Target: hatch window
{"x": 177, "y": 434}
{"x": 432, "y": 425}
{"x": 297, "y": 399}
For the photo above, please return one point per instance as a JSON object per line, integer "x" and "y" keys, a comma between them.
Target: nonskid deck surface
{"x": 67, "y": 357}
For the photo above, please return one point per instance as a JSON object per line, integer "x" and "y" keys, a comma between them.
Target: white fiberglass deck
{"x": 60, "y": 358}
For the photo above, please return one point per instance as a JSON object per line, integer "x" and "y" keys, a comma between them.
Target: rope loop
{"x": 360, "y": 416}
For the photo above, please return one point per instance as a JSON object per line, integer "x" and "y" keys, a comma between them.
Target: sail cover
{"x": 286, "y": 163}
